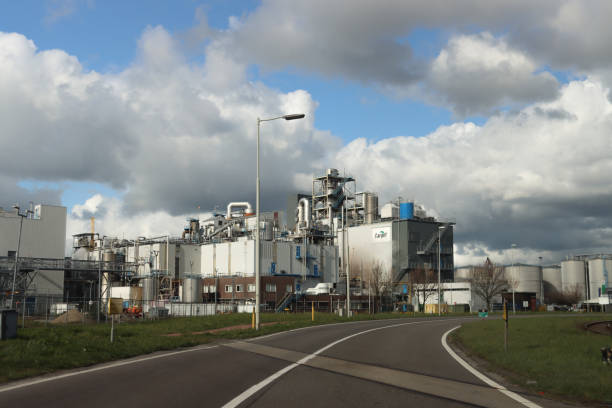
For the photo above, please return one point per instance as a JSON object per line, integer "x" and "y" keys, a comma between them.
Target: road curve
{"x": 382, "y": 363}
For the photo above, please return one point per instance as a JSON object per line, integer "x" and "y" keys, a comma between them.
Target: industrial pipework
{"x": 304, "y": 214}
{"x": 230, "y": 206}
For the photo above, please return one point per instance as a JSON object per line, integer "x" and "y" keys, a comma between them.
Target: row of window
{"x": 270, "y": 287}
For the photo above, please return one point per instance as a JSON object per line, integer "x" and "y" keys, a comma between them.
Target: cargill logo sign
{"x": 380, "y": 234}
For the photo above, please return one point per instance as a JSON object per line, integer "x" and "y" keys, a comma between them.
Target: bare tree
{"x": 488, "y": 281}
{"x": 570, "y": 296}
{"x": 378, "y": 281}
{"x": 424, "y": 282}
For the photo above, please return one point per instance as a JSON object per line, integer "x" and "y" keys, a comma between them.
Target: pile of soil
{"x": 71, "y": 316}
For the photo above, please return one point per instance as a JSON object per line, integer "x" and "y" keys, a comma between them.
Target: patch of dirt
{"x": 604, "y": 327}
{"x": 71, "y": 316}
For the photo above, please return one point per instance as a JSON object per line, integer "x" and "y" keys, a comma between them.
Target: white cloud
{"x": 477, "y": 73}
{"x": 169, "y": 134}
{"x": 538, "y": 177}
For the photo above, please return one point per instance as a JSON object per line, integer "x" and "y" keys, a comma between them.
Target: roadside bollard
{"x": 253, "y": 318}
{"x": 606, "y": 355}
{"x": 313, "y": 311}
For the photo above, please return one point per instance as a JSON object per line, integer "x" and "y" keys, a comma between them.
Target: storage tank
{"x": 552, "y": 281}
{"x": 572, "y": 277}
{"x": 406, "y": 211}
{"x": 524, "y": 279}
{"x": 599, "y": 270}
{"x": 192, "y": 290}
{"x": 463, "y": 274}
{"x": 149, "y": 289}
{"x": 389, "y": 210}
{"x": 371, "y": 207}
{"x": 108, "y": 256}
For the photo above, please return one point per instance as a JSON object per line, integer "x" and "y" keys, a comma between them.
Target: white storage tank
{"x": 552, "y": 280}
{"x": 389, "y": 210}
{"x": 192, "y": 290}
{"x": 149, "y": 288}
{"x": 572, "y": 277}
{"x": 524, "y": 279}
{"x": 599, "y": 270}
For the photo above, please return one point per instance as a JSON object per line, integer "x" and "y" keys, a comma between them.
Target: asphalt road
{"x": 366, "y": 364}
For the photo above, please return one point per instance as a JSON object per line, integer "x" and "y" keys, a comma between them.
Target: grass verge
{"x": 549, "y": 355}
{"x": 42, "y": 349}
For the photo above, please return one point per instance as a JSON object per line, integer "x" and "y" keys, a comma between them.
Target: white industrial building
{"x": 43, "y": 236}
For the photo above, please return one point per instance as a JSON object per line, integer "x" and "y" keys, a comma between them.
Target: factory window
{"x": 212, "y": 289}
{"x": 228, "y": 289}
{"x": 205, "y": 289}
{"x": 270, "y": 287}
{"x": 251, "y": 287}
{"x": 289, "y": 289}
{"x": 238, "y": 288}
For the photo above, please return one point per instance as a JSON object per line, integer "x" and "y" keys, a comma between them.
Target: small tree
{"x": 570, "y": 296}
{"x": 379, "y": 281}
{"x": 488, "y": 281}
{"x": 425, "y": 284}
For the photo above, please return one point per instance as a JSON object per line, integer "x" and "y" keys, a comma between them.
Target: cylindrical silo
{"x": 599, "y": 270}
{"x": 463, "y": 273}
{"x": 108, "y": 256}
{"x": 371, "y": 207}
{"x": 192, "y": 290}
{"x": 406, "y": 211}
{"x": 524, "y": 279}
{"x": 149, "y": 288}
{"x": 572, "y": 277}
{"x": 552, "y": 281}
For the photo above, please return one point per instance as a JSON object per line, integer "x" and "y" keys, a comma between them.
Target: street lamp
{"x": 440, "y": 229}
{"x": 257, "y": 249}
{"x": 513, "y": 277}
{"x": 22, "y": 216}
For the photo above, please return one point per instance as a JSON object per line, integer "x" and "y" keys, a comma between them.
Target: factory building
{"x": 579, "y": 279}
{"x": 214, "y": 258}
{"x": 43, "y": 236}
{"x": 400, "y": 240}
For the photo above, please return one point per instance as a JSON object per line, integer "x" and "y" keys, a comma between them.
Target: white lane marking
{"x": 320, "y": 326}
{"x": 104, "y": 367}
{"x": 255, "y": 388}
{"x": 483, "y": 377}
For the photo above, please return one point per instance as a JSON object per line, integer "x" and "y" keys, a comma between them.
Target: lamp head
{"x": 294, "y": 116}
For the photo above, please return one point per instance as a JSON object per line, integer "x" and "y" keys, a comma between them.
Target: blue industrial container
{"x": 406, "y": 211}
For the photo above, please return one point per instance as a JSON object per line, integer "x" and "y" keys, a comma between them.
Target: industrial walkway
{"x": 375, "y": 363}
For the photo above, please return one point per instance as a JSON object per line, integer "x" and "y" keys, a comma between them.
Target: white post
{"x": 257, "y": 272}
{"x": 439, "y": 300}
{"x": 513, "y": 278}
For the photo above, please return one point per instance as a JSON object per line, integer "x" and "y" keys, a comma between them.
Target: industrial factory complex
{"x": 392, "y": 256}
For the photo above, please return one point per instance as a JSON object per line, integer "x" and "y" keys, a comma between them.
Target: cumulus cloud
{"x": 538, "y": 181}
{"x": 370, "y": 43}
{"x": 168, "y": 134}
{"x": 476, "y": 73}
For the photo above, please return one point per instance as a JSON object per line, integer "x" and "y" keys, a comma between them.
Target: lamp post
{"x": 440, "y": 229}
{"x": 513, "y": 277}
{"x": 257, "y": 249}
{"x": 22, "y": 216}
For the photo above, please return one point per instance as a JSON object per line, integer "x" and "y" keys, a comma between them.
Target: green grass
{"x": 42, "y": 349}
{"x": 555, "y": 352}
